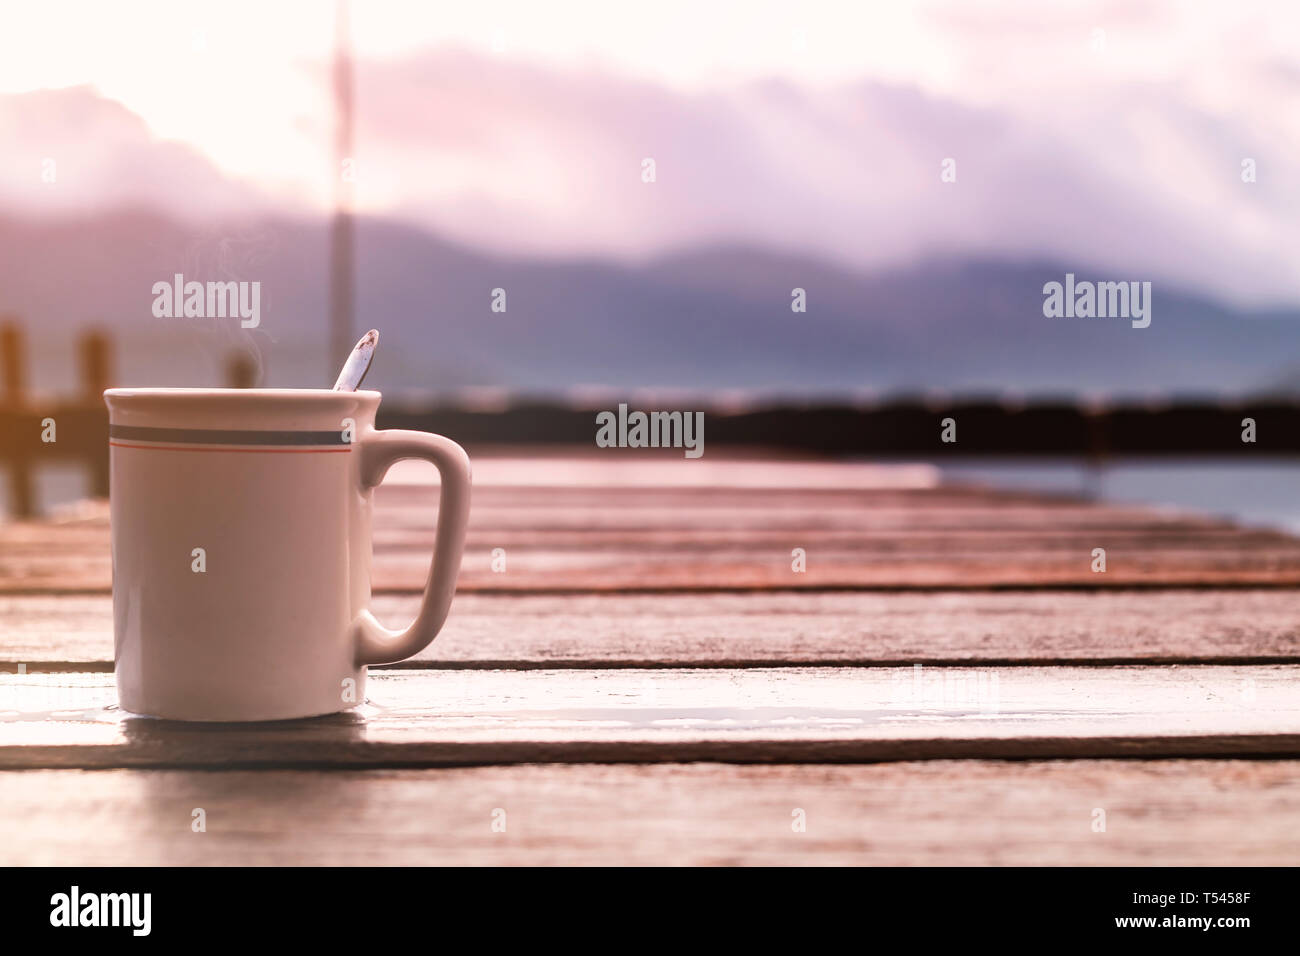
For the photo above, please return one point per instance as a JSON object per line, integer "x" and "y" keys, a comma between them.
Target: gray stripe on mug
{"x": 214, "y": 436}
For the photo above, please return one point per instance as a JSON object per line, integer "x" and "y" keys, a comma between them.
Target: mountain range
{"x": 709, "y": 319}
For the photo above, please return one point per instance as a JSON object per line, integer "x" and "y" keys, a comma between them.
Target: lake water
{"x": 1262, "y": 493}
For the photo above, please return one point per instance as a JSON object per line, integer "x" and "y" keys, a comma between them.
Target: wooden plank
{"x": 570, "y": 467}
{"x": 650, "y": 540}
{"x": 940, "y": 813}
{"x": 776, "y": 715}
{"x": 761, "y": 629}
{"x": 636, "y": 508}
{"x": 637, "y": 572}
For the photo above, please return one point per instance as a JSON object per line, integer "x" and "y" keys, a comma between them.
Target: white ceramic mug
{"x": 241, "y": 549}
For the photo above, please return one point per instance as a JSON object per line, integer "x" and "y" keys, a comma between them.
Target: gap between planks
{"x": 592, "y": 664}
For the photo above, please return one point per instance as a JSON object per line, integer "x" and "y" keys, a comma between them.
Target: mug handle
{"x": 375, "y": 643}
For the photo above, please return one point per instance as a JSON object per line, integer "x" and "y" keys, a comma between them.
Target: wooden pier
{"x": 647, "y": 677}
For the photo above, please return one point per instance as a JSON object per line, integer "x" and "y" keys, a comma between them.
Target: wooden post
{"x": 1098, "y": 451}
{"x": 94, "y": 366}
{"x": 95, "y": 363}
{"x": 241, "y": 371}
{"x": 11, "y": 362}
{"x": 22, "y": 500}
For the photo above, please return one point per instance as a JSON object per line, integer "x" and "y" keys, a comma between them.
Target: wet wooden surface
{"x": 774, "y": 714}
{"x": 649, "y": 680}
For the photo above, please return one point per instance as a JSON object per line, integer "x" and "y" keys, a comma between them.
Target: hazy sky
{"x": 1099, "y": 133}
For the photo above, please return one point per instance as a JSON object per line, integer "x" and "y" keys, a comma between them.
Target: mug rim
{"x": 167, "y": 391}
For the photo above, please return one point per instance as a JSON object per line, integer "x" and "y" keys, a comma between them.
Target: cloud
{"x": 70, "y": 150}
{"x": 1128, "y": 178}
{"x": 1123, "y": 176}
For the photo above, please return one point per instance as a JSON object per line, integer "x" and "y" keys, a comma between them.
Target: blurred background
{"x": 919, "y": 169}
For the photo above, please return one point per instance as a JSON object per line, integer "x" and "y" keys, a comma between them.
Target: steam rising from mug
{"x": 233, "y": 252}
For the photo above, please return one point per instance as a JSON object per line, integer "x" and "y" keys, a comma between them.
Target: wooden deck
{"x": 649, "y": 681}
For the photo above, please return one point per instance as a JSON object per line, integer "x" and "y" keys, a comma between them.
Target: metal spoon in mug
{"x": 358, "y": 363}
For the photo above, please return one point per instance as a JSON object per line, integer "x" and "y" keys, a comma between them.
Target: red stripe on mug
{"x": 273, "y": 451}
